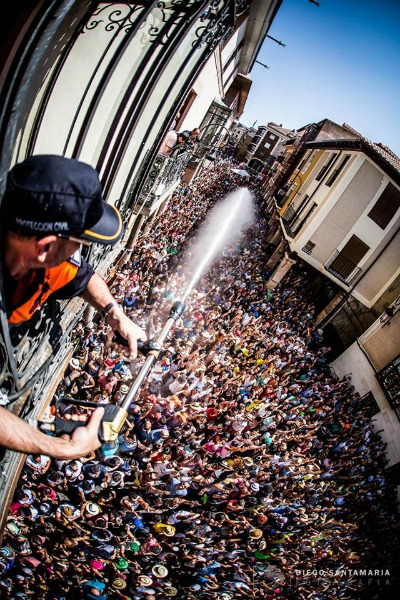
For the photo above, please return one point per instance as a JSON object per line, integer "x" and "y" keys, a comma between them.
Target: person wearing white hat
{"x": 159, "y": 571}
{"x": 119, "y": 583}
{"x": 74, "y": 364}
{"x": 91, "y": 508}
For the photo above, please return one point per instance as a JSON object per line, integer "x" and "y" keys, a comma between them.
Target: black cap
{"x": 55, "y": 195}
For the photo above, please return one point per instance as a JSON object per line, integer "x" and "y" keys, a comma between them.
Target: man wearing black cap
{"x": 51, "y": 206}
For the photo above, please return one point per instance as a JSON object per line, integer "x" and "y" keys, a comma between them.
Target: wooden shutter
{"x": 386, "y": 206}
{"x": 349, "y": 256}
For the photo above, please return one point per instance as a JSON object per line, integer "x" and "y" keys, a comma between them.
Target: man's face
{"x": 60, "y": 250}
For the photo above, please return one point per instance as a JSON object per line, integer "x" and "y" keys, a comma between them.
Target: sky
{"x": 341, "y": 62}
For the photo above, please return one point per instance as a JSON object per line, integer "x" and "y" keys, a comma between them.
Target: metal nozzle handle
{"x": 111, "y": 424}
{"x": 144, "y": 346}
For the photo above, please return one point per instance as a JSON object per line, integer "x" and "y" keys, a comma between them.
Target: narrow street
{"x": 245, "y": 469}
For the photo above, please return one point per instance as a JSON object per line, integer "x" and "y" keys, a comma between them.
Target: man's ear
{"x": 43, "y": 247}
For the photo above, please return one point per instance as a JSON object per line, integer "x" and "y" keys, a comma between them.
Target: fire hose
{"x": 115, "y": 415}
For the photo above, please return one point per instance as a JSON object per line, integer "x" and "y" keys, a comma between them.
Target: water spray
{"x": 221, "y": 222}
{"x": 225, "y": 222}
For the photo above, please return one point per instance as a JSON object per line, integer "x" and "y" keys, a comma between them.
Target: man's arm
{"x": 98, "y": 295}
{"x": 18, "y": 435}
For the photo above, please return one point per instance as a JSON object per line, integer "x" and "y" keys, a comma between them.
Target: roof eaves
{"x": 388, "y": 161}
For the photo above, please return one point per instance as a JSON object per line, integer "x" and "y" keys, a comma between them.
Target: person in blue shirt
{"x": 94, "y": 471}
{"x": 130, "y": 301}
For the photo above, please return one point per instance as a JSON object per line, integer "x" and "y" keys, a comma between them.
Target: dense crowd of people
{"x": 245, "y": 469}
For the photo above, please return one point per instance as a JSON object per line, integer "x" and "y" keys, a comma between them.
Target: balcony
{"x": 343, "y": 268}
{"x": 291, "y": 220}
{"x": 281, "y": 196}
{"x": 163, "y": 177}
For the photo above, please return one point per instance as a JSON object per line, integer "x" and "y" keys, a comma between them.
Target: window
{"x": 345, "y": 261}
{"x": 389, "y": 379}
{"x": 302, "y": 204}
{"x": 303, "y": 162}
{"x": 308, "y": 162}
{"x": 233, "y": 55}
{"x": 212, "y": 125}
{"x": 326, "y": 167}
{"x": 298, "y": 226}
{"x": 212, "y": 128}
{"x": 386, "y": 206}
{"x": 337, "y": 171}
{"x": 267, "y": 145}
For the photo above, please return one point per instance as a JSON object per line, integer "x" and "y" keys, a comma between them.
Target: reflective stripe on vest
{"x": 54, "y": 279}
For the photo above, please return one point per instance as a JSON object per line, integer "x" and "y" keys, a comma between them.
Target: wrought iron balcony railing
{"x": 342, "y": 268}
{"x": 164, "y": 173}
{"x": 289, "y": 213}
{"x": 281, "y": 196}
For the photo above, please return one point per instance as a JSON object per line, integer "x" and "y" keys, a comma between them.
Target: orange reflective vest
{"x": 54, "y": 279}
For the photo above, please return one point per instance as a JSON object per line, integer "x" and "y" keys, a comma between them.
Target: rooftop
{"x": 378, "y": 152}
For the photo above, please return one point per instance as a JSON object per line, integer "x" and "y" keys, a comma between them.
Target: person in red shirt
{"x": 108, "y": 382}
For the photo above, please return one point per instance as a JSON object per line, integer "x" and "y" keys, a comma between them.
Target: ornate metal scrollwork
{"x": 37, "y": 345}
{"x": 169, "y": 13}
{"x": 153, "y": 176}
{"x": 163, "y": 173}
{"x": 39, "y": 385}
{"x": 241, "y": 7}
{"x": 174, "y": 170}
{"x": 169, "y": 7}
{"x": 221, "y": 15}
{"x": 6, "y": 376}
{"x": 30, "y": 338}
{"x": 115, "y": 19}
{"x": 99, "y": 254}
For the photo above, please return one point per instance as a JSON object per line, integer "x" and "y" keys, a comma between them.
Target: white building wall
{"x": 208, "y": 84}
{"x": 343, "y": 212}
{"x": 206, "y": 87}
{"x": 233, "y": 42}
{"x": 353, "y": 362}
{"x": 229, "y": 74}
{"x": 317, "y": 227}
